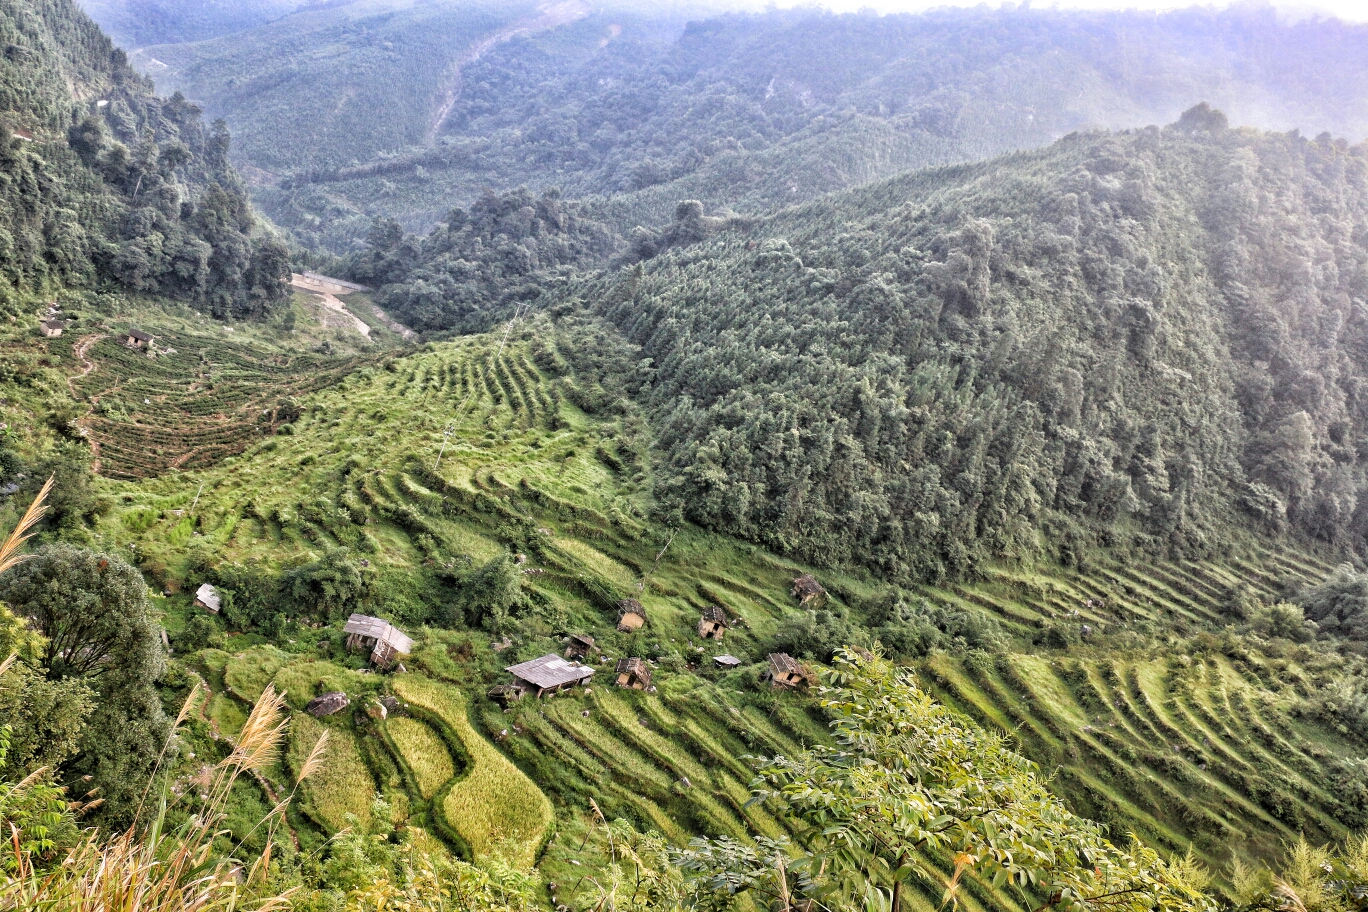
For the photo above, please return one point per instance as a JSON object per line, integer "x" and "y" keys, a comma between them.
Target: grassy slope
{"x": 1128, "y": 727}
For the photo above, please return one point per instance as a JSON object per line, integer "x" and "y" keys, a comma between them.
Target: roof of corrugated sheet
{"x": 550, "y": 671}
{"x": 380, "y": 630}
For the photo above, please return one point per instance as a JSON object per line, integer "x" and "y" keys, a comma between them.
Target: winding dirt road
{"x": 549, "y": 15}
{"x": 82, "y": 351}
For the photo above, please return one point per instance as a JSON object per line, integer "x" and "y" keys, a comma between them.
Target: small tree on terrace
{"x": 914, "y": 794}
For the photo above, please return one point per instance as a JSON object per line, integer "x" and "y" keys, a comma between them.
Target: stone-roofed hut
{"x": 549, "y": 674}
{"x": 52, "y": 328}
{"x": 631, "y": 615}
{"x": 139, "y": 339}
{"x": 633, "y": 673}
{"x": 713, "y": 623}
{"x": 327, "y": 704}
{"x": 784, "y": 671}
{"x": 581, "y": 646}
{"x": 384, "y": 641}
{"x": 806, "y": 589}
{"x": 207, "y": 597}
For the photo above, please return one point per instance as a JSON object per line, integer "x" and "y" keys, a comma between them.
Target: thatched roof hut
{"x": 806, "y": 589}
{"x": 633, "y": 673}
{"x": 784, "y": 671}
{"x": 631, "y": 615}
{"x": 580, "y": 646}
{"x": 713, "y": 623}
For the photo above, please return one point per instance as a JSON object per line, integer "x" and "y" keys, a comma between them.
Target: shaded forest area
{"x": 114, "y": 183}
{"x": 1148, "y": 338}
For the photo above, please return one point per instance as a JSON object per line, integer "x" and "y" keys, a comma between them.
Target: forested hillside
{"x": 103, "y": 180}
{"x": 137, "y": 23}
{"x": 360, "y": 111}
{"x": 1154, "y": 336}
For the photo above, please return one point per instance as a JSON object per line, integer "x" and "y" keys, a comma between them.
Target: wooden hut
{"x": 383, "y": 640}
{"x": 207, "y": 597}
{"x": 726, "y": 662}
{"x": 140, "y": 340}
{"x": 631, "y": 615}
{"x": 713, "y": 623}
{"x": 549, "y": 674}
{"x": 52, "y": 328}
{"x": 806, "y": 589}
{"x": 581, "y": 646}
{"x": 633, "y": 673}
{"x": 784, "y": 671}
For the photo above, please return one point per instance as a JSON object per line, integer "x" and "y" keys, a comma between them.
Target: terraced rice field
{"x": 343, "y": 787}
{"x": 211, "y": 399}
{"x": 493, "y": 806}
{"x": 1188, "y": 748}
{"x": 423, "y": 753}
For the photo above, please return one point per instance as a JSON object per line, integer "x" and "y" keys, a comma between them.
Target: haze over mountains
{"x": 350, "y": 111}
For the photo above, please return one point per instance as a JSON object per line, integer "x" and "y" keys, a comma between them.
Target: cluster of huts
{"x": 551, "y": 674}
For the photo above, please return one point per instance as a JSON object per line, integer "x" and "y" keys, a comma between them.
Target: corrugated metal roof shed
{"x": 550, "y": 671}
{"x": 376, "y": 629}
{"x": 208, "y": 596}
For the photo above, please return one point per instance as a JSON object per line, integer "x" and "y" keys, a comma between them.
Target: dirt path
{"x": 82, "y": 351}
{"x": 331, "y": 303}
{"x": 549, "y": 15}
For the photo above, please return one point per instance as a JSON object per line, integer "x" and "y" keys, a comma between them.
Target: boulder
{"x": 327, "y": 704}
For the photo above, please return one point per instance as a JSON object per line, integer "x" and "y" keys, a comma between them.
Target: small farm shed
{"x": 384, "y": 641}
{"x": 727, "y": 662}
{"x": 549, "y": 674}
{"x": 581, "y": 646}
{"x": 631, "y": 615}
{"x": 713, "y": 623}
{"x": 52, "y": 328}
{"x": 207, "y": 597}
{"x": 139, "y": 339}
{"x": 633, "y": 673}
{"x": 784, "y": 671}
{"x": 807, "y": 589}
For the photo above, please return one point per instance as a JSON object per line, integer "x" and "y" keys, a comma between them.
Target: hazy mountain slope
{"x": 1154, "y": 337}
{"x": 101, "y": 179}
{"x": 138, "y": 23}
{"x": 738, "y": 110}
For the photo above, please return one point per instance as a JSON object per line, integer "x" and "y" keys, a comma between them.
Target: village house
{"x": 784, "y": 671}
{"x": 581, "y": 646}
{"x": 713, "y": 623}
{"x": 633, "y": 673}
{"x": 383, "y": 640}
{"x": 806, "y": 589}
{"x": 631, "y": 615}
{"x": 52, "y": 328}
{"x": 207, "y": 597}
{"x": 139, "y": 339}
{"x": 549, "y": 674}
{"x": 726, "y": 662}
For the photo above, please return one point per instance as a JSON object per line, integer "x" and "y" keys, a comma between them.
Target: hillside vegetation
{"x": 104, "y": 181}
{"x": 752, "y": 111}
{"x": 1150, "y": 338}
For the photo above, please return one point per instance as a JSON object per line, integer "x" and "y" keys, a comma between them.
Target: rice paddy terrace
{"x": 1194, "y": 745}
{"x": 201, "y": 399}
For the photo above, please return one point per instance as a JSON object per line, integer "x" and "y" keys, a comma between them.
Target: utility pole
{"x": 516, "y": 315}
{"x": 197, "y": 494}
{"x": 446, "y": 435}
{"x": 641, "y": 586}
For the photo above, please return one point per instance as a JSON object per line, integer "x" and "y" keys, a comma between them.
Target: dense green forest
{"x": 137, "y": 23}
{"x": 360, "y": 111}
{"x": 104, "y": 181}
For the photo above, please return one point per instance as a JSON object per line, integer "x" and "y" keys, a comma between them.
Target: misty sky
{"x": 1349, "y": 10}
